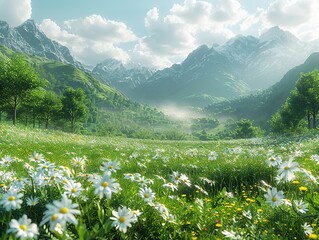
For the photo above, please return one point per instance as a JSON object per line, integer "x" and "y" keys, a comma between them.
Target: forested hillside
{"x": 108, "y": 111}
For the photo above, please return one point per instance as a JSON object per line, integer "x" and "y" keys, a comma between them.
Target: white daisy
{"x": 106, "y": 186}
{"x": 23, "y": 228}
{"x": 122, "y": 219}
{"x": 273, "y": 197}
{"x": 11, "y": 200}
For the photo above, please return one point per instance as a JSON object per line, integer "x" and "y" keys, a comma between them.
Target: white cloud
{"x": 91, "y": 46}
{"x": 300, "y": 17}
{"x": 187, "y": 26}
{"x": 96, "y": 27}
{"x": 15, "y": 12}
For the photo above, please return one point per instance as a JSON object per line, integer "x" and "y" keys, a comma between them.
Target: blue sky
{"x": 158, "y": 33}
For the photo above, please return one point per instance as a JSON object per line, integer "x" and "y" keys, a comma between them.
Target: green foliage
{"x": 302, "y": 102}
{"x": 17, "y": 79}
{"x": 246, "y": 129}
{"x": 73, "y": 106}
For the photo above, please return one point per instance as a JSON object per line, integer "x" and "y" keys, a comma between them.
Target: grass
{"x": 226, "y": 194}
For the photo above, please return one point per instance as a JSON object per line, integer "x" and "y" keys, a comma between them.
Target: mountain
{"x": 240, "y": 66}
{"x": 261, "y": 106}
{"x": 27, "y": 38}
{"x": 124, "y": 77}
{"x": 199, "y": 78}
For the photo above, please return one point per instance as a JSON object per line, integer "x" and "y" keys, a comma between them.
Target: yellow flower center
{"x": 64, "y": 210}
{"x": 146, "y": 195}
{"x": 23, "y": 227}
{"x": 272, "y": 159}
{"x": 299, "y": 207}
{"x": 274, "y": 199}
{"x": 122, "y": 219}
{"x": 73, "y": 190}
{"x": 110, "y": 167}
{"x": 105, "y": 184}
{"x": 54, "y": 217}
{"x": 20, "y": 179}
{"x": 36, "y": 158}
{"x": 12, "y": 198}
{"x": 287, "y": 168}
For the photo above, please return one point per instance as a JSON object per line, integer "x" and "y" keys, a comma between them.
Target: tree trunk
{"x": 46, "y": 123}
{"x": 15, "y": 113}
{"x": 309, "y": 118}
{"x": 314, "y": 121}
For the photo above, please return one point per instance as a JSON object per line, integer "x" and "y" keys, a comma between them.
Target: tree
{"x": 50, "y": 106}
{"x": 17, "y": 79}
{"x": 246, "y": 129}
{"x": 73, "y": 106}
{"x": 303, "y": 101}
{"x": 308, "y": 89}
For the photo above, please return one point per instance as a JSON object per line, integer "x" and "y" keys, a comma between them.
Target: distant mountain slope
{"x": 197, "y": 78}
{"x": 27, "y": 38}
{"x": 261, "y": 106}
{"x": 120, "y": 76}
{"x": 240, "y": 66}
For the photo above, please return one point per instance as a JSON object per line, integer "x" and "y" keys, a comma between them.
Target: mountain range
{"x": 241, "y": 66}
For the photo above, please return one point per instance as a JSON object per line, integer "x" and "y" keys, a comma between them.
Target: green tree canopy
{"x": 74, "y": 106}
{"x": 17, "y": 79}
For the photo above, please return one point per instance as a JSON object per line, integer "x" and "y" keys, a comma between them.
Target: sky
{"x": 157, "y": 33}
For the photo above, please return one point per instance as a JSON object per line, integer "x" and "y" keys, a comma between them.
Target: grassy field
{"x": 85, "y": 187}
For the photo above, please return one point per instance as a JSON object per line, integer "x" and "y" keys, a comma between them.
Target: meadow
{"x": 56, "y": 185}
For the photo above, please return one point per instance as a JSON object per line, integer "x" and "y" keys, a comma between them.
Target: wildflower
{"x": 313, "y": 236}
{"x": 6, "y": 161}
{"x": 286, "y": 170}
{"x": 72, "y": 188}
{"x": 229, "y": 194}
{"x": 307, "y": 228}
{"x": 11, "y": 200}
{"x": 301, "y": 206}
{"x": 175, "y": 177}
{"x": 170, "y": 185}
{"x": 201, "y": 189}
{"x": 162, "y": 209}
{"x": 192, "y": 152}
{"x": 136, "y": 214}
{"x": 106, "y": 186}
{"x": 122, "y": 219}
{"x": 231, "y": 234}
{"x": 36, "y": 157}
{"x": 247, "y": 214}
{"x": 111, "y": 166}
{"x": 274, "y": 161}
{"x": 79, "y": 161}
{"x": 212, "y": 156}
{"x": 147, "y": 194}
{"x": 32, "y": 201}
{"x": 303, "y": 189}
{"x": 143, "y": 182}
{"x": 60, "y": 212}
{"x": 23, "y": 228}
{"x": 315, "y": 158}
{"x": 274, "y": 197}
{"x": 184, "y": 179}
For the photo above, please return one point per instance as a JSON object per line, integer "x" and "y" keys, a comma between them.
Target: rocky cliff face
{"x": 29, "y": 39}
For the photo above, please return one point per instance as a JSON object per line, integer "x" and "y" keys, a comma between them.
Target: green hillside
{"x": 110, "y": 112}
